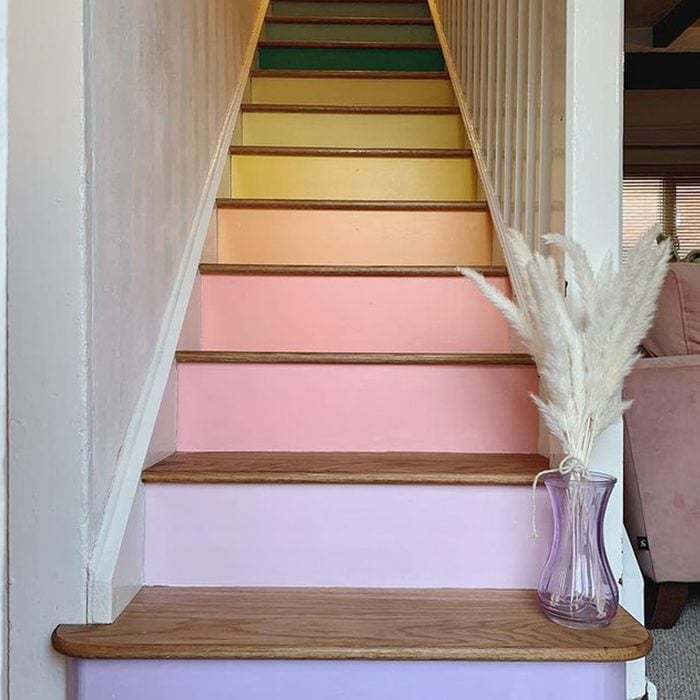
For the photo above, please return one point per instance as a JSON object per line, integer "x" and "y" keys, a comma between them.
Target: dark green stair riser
{"x": 351, "y": 32}
{"x": 311, "y": 58}
{"x": 350, "y": 9}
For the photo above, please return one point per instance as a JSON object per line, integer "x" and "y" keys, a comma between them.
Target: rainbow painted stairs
{"x": 348, "y": 513}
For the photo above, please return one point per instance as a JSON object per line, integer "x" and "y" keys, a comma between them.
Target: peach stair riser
{"x": 347, "y": 680}
{"x": 353, "y": 237}
{"x": 350, "y": 314}
{"x": 351, "y": 92}
{"x": 352, "y": 130}
{"x": 289, "y": 176}
{"x": 328, "y": 535}
{"x": 317, "y": 407}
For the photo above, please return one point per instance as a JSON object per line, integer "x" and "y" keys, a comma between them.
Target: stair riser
{"x": 421, "y": 408}
{"x": 353, "y": 178}
{"x": 399, "y": 33}
{"x": 346, "y": 314}
{"x": 344, "y": 680}
{"x": 344, "y": 535}
{"x": 326, "y": 237}
{"x": 349, "y": 9}
{"x": 378, "y": 92}
{"x": 353, "y": 131}
{"x": 322, "y": 58}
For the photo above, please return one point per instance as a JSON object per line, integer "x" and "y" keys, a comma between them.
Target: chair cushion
{"x": 676, "y": 330}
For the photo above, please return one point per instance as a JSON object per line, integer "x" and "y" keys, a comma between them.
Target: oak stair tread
{"x": 352, "y": 358}
{"x": 422, "y": 21}
{"x": 351, "y": 205}
{"x": 322, "y": 152}
{"x": 339, "y": 44}
{"x": 346, "y": 623}
{"x": 346, "y": 270}
{"x": 346, "y": 468}
{"x": 345, "y": 109}
{"x": 368, "y": 74}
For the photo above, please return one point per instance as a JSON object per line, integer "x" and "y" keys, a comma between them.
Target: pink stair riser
{"x": 422, "y": 408}
{"x": 344, "y": 680}
{"x": 339, "y": 535}
{"x": 350, "y": 314}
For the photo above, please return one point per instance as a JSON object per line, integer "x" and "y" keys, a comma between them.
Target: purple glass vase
{"x": 577, "y": 587}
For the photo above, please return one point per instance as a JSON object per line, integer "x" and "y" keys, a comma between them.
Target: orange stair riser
{"x": 354, "y": 237}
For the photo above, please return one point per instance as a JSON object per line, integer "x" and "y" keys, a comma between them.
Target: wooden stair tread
{"x": 347, "y": 468}
{"x": 346, "y": 270}
{"x": 368, "y": 74}
{"x": 350, "y": 205}
{"x": 353, "y": 358}
{"x": 403, "y": 21}
{"x": 345, "y": 109}
{"x": 308, "y": 623}
{"x": 319, "y": 152}
{"x": 299, "y": 44}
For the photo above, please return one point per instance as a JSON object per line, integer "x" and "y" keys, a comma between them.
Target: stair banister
{"x": 542, "y": 107}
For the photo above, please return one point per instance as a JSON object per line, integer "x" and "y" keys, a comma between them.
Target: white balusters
{"x": 502, "y": 52}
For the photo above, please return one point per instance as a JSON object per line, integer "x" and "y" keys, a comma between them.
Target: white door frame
{"x": 4, "y": 623}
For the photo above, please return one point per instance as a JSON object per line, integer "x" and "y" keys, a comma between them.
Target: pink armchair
{"x": 662, "y": 449}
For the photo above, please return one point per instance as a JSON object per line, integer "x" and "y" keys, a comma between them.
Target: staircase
{"x": 348, "y": 512}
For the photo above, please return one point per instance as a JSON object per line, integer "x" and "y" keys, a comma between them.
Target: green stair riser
{"x": 350, "y": 9}
{"x": 312, "y": 58}
{"x": 351, "y": 32}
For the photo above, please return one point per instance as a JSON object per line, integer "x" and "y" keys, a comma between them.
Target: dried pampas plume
{"x": 585, "y": 344}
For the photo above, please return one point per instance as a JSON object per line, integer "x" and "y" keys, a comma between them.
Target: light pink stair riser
{"x": 350, "y": 314}
{"x": 279, "y": 407}
{"x": 344, "y": 535}
{"x": 344, "y": 680}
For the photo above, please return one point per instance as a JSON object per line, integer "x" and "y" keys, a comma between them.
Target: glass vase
{"x": 577, "y": 587}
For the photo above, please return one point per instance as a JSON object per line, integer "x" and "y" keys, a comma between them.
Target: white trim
{"x": 102, "y": 604}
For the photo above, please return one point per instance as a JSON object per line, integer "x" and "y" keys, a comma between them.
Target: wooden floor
{"x": 345, "y": 623}
{"x": 347, "y": 468}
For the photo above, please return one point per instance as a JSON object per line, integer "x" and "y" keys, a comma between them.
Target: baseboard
{"x": 104, "y": 603}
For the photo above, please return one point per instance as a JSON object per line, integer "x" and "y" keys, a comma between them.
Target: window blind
{"x": 672, "y": 202}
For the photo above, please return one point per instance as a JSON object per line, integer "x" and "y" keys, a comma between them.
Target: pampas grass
{"x": 585, "y": 344}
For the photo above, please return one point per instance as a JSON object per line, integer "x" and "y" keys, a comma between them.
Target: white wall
{"x": 164, "y": 80}
{"x": 49, "y": 435}
{"x": 161, "y": 76}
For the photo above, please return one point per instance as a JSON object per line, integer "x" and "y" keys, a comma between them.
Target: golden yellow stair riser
{"x": 353, "y": 130}
{"x": 353, "y": 178}
{"x": 372, "y": 92}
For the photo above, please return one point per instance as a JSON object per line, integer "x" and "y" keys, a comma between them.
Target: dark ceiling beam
{"x": 656, "y": 70}
{"x": 683, "y": 15}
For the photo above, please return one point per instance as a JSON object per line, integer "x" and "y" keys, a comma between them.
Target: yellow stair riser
{"x": 353, "y": 237}
{"x": 353, "y": 178}
{"x": 377, "y": 92}
{"x": 353, "y": 130}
